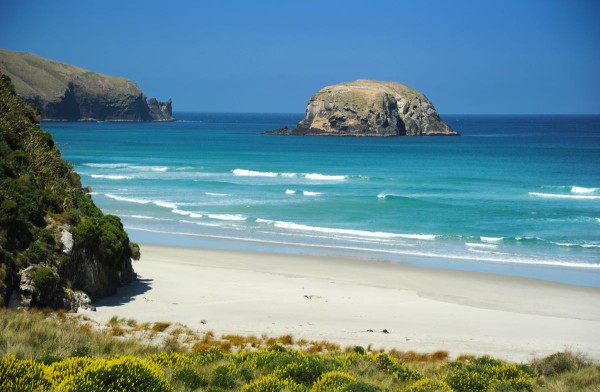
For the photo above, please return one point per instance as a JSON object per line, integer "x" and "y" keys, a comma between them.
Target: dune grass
{"x": 55, "y": 351}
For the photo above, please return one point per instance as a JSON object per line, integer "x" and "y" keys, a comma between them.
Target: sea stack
{"x": 369, "y": 108}
{"x": 64, "y": 92}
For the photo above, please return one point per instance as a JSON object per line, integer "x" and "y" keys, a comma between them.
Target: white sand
{"x": 339, "y": 299}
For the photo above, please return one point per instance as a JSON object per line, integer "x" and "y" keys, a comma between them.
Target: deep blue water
{"x": 516, "y": 195}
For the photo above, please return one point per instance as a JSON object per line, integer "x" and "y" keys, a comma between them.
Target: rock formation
{"x": 66, "y": 93}
{"x": 369, "y": 108}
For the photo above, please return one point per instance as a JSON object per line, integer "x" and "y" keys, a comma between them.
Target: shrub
{"x": 22, "y": 375}
{"x": 271, "y": 383}
{"x": 333, "y": 381}
{"x": 62, "y": 372}
{"x": 305, "y": 370}
{"x": 160, "y": 326}
{"x": 224, "y": 376}
{"x": 483, "y": 373}
{"x": 46, "y": 281}
{"x": 188, "y": 378}
{"x": 393, "y": 366}
{"x": 359, "y": 386}
{"x": 559, "y": 363}
{"x": 118, "y": 374}
{"x": 428, "y": 385}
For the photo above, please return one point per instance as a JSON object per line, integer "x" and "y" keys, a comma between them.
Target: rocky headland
{"x": 369, "y": 108}
{"x": 57, "y": 249}
{"x": 64, "y": 92}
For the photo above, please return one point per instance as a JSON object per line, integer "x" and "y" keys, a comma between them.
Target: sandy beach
{"x": 351, "y": 301}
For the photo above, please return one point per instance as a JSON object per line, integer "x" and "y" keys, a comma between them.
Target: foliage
{"x": 39, "y": 192}
{"x": 45, "y": 279}
{"x": 482, "y": 373}
{"x": 333, "y": 381}
{"x": 51, "y": 351}
{"x": 561, "y": 362}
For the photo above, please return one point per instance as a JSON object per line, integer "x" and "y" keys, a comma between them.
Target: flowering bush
{"x": 22, "y": 375}
{"x": 332, "y": 381}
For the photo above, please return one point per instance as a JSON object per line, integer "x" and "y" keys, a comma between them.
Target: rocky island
{"x": 64, "y": 92}
{"x": 369, "y": 108}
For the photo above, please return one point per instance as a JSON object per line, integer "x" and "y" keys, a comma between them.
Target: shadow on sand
{"x": 126, "y": 293}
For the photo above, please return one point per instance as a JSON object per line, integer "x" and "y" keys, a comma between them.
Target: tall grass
{"x": 53, "y": 351}
{"x": 34, "y": 334}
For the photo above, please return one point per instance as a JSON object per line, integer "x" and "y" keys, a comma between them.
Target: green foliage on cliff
{"x": 40, "y": 194}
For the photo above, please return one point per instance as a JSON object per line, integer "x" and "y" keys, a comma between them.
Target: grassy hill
{"x": 66, "y": 92}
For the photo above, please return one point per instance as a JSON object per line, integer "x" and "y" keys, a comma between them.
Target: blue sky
{"x": 468, "y": 57}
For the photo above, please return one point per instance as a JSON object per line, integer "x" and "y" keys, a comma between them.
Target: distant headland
{"x": 369, "y": 108}
{"x": 67, "y": 93}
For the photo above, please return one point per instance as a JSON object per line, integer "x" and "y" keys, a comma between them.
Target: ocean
{"x": 514, "y": 195}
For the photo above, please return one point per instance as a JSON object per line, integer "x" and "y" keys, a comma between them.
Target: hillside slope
{"x": 67, "y": 93}
{"x": 56, "y": 246}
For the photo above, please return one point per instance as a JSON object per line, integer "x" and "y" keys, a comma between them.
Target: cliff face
{"x": 67, "y": 93}
{"x": 369, "y": 108}
{"x": 56, "y": 247}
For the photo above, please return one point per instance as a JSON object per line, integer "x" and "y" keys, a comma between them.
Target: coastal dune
{"x": 352, "y": 301}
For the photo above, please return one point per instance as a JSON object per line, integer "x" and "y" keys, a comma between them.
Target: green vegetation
{"x": 41, "y": 196}
{"x": 38, "y": 353}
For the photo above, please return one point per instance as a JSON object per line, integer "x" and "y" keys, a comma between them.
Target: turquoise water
{"x": 517, "y": 195}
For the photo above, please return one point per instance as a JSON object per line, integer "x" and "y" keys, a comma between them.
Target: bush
{"x": 118, "y": 374}
{"x": 46, "y": 281}
{"x": 393, "y": 366}
{"x": 428, "y": 385}
{"x": 484, "y": 373}
{"x": 224, "y": 376}
{"x": 558, "y": 363}
{"x": 22, "y": 375}
{"x": 271, "y": 383}
{"x": 333, "y": 381}
{"x": 103, "y": 238}
{"x": 189, "y": 378}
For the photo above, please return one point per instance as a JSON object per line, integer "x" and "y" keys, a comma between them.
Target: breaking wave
{"x": 561, "y": 196}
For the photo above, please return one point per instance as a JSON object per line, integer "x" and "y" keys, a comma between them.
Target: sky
{"x": 467, "y": 57}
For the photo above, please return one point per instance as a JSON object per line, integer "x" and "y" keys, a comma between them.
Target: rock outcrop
{"x": 369, "y": 108}
{"x": 67, "y": 93}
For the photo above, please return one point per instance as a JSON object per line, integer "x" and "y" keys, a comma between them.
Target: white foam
{"x": 559, "y": 196}
{"x": 323, "y": 177}
{"x": 590, "y": 246}
{"x": 252, "y": 173}
{"x": 359, "y": 233}
{"x": 106, "y": 165}
{"x": 289, "y": 175}
{"x": 111, "y": 176}
{"x": 489, "y": 258}
{"x": 145, "y": 217}
{"x": 579, "y": 189}
{"x": 228, "y": 217}
{"x": 308, "y": 193}
{"x": 290, "y": 192}
{"x": 127, "y": 199}
{"x": 491, "y": 239}
{"x": 476, "y": 245}
{"x": 186, "y": 213}
{"x": 216, "y": 194}
{"x": 141, "y": 217}
{"x": 159, "y": 169}
{"x": 597, "y": 219}
{"x": 165, "y": 204}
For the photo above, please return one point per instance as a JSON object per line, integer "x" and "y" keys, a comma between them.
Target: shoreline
{"x": 339, "y": 299}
